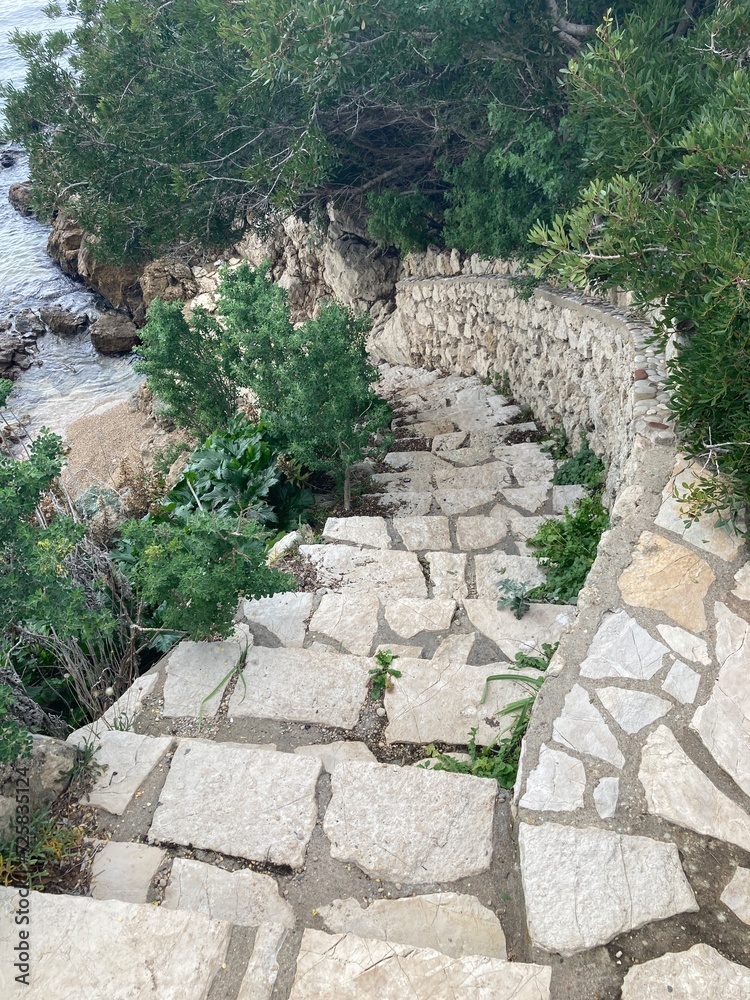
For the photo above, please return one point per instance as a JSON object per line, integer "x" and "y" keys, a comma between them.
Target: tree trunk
{"x": 26, "y": 710}
{"x": 347, "y": 489}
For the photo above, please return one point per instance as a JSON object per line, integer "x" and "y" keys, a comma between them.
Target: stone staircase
{"x": 271, "y": 834}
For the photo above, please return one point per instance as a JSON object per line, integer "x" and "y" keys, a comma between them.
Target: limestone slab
{"x": 246, "y": 898}
{"x": 522, "y": 528}
{"x": 491, "y": 567}
{"x": 529, "y": 463}
{"x": 581, "y": 727}
{"x": 491, "y": 476}
{"x": 332, "y": 754}
{"x": 478, "y": 532}
{"x": 383, "y": 571}
{"x": 263, "y": 968}
{"x": 351, "y": 619}
{"x": 302, "y": 685}
{"x": 460, "y": 501}
{"x": 409, "y": 503}
{"x": 530, "y": 498}
{"x": 122, "y": 870}
{"x": 541, "y": 623}
{"x": 284, "y": 615}
{"x": 682, "y": 682}
{"x": 403, "y": 482}
{"x": 413, "y": 652}
{"x": 127, "y": 760}
{"x": 449, "y": 922}
{"x": 556, "y": 784}
{"x": 678, "y": 791}
{"x": 685, "y": 644}
{"x": 347, "y": 967}
{"x": 448, "y": 574}
{"x": 633, "y": 710}
{"x": 369, "y": 532}
{"x": 622, "y": 648}
{"x": 736, "y": 895}
{"x": 194, "y": 671}
{"x": 606, "y": 794}
{"x": 448, "y": 442}
{"x": 584, "y": 886}
{"x": 742, "y": 582}
{"x": 102, "y": 949}
{"x": 667, "y": 577}
{"x": 410, "y": 825}
{"x": 409, "y": 616}
{"x": 566, "y": 497}
{"x": 723, "y": 723}
{"x": 423, "y": 461}
{"x": 467, "y": 456}
{"x": 422, "y": 533}
{"x": 254, "y": 804}
{"x": 701, "y": 532}
{"x": 696, "y": 974}
{"x": 122, "y": 714}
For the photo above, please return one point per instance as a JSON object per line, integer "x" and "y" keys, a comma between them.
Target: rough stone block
{"x": 243, "y": 897}
{"x": 194, "y": 671}
{"x": 124, "y": 871}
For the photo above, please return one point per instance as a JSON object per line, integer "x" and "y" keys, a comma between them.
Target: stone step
{"x": 384, "y": 572}
{"x": 348, "y": 967}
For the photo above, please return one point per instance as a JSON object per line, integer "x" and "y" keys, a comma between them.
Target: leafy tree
{"x": 169, "y": 122}
{"x": 665, "y": 113}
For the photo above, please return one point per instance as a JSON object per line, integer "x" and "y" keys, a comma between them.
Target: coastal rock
{"x": 62, "y": 322}
{"x": 114, "y": 333}
{"x": 19, "y": 195}
{"x": 27, "y": 321}
{"x": 118, "y": 284}
{"x": 169, "y": 279}
{"x": 64, "y": 243}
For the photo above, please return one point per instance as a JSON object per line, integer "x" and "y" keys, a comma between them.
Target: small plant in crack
{"x": 237, "y": 669}
{"x": 515, "y": 596}
{"x": 381, "y": 676}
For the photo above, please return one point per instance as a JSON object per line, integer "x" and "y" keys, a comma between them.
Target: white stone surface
{"x": 448, "y": 442}
{"x": 346, "y": 967}
{"x": 422, "y": 533}
{"x": 413, "y": 652}
{"x": 440, "y": 699}
{"x": 107, "y": 949}
{"x": 633, "y": 710}
{"x": 449, "y": 922}
{"x": 742, "y": 581}
{"x": 243, "y": 897}
{"x": 556, "y": 784}
{"x": 678, "y": 791}
{"x": 491, "y": 567}
{"x": 621, "y": 648}
{"x": 284, "y": 615}
{"x": 480, "y": 532}
{"x": 448, "y": 574}
{"x": 736, "y": 894}
{"x": 302, "y": 685}
{"x": 467, "y": 456}
{"x": 700, "y": 532}
{"x": 685, "y": 644}
{"x": 581, "y": 727}
{"x": 723, "y": 723}
{"x": 254, "y": 804}
{"x": 522, "y": 527}
{"x": 122, "y": 870}
{"x": 122, "y": 713}
{"x": 409, "y": 616}
{"x": 410, "y": 503}
{"x": 127, "y": 760}
{"x": 350, "y": 618}
{"x": 682, "y": 682}
{"x": 530, "y": 465}
{"x": 584, "y": 886}
{"x": 541, "y": 623}
{"x": 370, "y": 532}
{"x": 423, "y": 461}
{"x": 410, "y": 825}
{"x": 194, "y": 671}
{"x": 263, "y": 967}
{"x": 566, "y": 496}
{"x": 529, "y": 498}
{"x": 461, "y": 501}
{"x": 383, "y": 571}
{"x": 606, "y": 794}
{"x": 700, "y": 973}
{"x": 332, "y": 754}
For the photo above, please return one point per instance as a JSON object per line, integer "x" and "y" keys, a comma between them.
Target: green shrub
{"x": 584, "y": 468}
{"x": 15, "y": 739}
{"x": 566, "y": 550}
{"x": 406, "y": 221}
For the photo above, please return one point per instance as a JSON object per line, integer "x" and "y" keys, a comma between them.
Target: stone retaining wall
{"x": 574, "y": 361}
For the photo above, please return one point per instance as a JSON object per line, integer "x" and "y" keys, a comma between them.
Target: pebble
{"x": 380, "y": 712}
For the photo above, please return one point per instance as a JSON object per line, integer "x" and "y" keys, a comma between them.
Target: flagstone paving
{"x": 291, "y": 831}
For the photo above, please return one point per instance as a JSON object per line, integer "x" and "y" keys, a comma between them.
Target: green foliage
{"x": 664, "y": 117}
{"x": 34, "y": 857}
{"x": 566, "y": 550}
{"x": 524, "y": 660}
{"x": 192, "y": 572}
{"x": 514, "y": 595}
{"x": 6, "y": 387}
{"x": 557, "y": 444}
{"x": 402, "y": 220}
{"x": 584, "y": 468}
{"x": 382, "y": 674}
{"x": 15, "y": 739}
{"x": 189, "y": 367}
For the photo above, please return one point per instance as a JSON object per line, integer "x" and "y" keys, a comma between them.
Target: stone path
{"x": 272, "y": 837}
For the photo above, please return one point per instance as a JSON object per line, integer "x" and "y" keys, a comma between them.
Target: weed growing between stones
{"x": 584, "y": 468}
{"x": 381, "y": 675}
{"x": 515, "y": 596}
{"x": 566, "y": 550}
